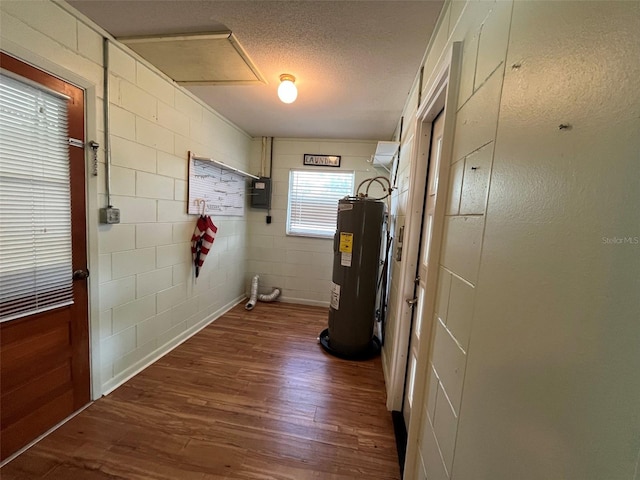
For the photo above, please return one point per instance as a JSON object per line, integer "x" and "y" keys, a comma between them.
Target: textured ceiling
{"x": 354, "y": 61}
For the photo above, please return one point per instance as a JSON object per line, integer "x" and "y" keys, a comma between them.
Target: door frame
{"x": 93, "y": 90}
{"x": 441, "y": 95}
{"x": 417, "y": 308}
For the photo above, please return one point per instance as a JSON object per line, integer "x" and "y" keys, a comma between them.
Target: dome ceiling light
{"x": 287, "y": 91}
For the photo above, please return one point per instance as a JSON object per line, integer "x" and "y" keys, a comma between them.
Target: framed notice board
{"x": 214, "y": 190}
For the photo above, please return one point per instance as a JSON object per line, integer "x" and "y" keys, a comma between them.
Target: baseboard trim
{"x": 385, "y": 373}
{"x": 139, "y": 366}
{"x": 400, "y": 431}
{"x": 52, "y": 429}
{"x": 304, "y": 301}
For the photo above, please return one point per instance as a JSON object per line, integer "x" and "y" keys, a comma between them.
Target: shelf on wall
{"x": 225, "y": 166}
{"x": 385, "y": 153}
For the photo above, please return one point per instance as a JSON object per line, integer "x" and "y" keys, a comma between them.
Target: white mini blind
{"x": 35, "y": 206}
{"x": 313, "y": 201}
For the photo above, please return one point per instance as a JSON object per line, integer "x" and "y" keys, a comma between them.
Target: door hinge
{"x": 412, "y": 301}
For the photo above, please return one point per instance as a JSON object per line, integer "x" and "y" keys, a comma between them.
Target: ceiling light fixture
{"x": 287, "y": 90}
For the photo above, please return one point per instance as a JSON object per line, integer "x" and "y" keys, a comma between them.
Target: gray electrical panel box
{"x": 261, "y": 193}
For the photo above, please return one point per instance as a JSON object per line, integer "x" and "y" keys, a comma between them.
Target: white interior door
{"x": 423, "y": 264}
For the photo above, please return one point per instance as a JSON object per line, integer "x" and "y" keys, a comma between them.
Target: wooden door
{"x": 423, "y": 263}
{"x": 44, "y": 355}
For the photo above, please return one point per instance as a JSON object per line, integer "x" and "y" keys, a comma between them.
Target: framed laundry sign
{"x": 321, "y": 160}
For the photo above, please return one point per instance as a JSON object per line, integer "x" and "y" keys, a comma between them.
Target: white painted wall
{"x": 535, "y": 359}
{"x": 300, "y": 266}
{"x": 143, "y": 296}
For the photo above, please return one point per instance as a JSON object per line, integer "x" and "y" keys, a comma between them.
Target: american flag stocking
{"x": 202, "y": 240}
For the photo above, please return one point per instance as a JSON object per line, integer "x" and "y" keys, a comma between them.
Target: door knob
{"x": 80, "y": 274}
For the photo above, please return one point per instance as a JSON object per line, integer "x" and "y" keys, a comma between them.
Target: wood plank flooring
{"x": 252, "y": 396}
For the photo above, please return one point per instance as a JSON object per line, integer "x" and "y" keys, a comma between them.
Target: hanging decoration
{"x": 202, "y": 240}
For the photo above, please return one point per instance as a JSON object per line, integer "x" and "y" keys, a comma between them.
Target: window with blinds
{"x": 313, "y": 201}
{"x": 35, "y": 206}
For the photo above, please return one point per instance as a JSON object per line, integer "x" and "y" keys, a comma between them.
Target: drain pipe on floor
{"x": 262, "y": 297}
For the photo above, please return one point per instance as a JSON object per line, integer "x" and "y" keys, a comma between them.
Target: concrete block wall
{"x": 300, "y": 266}
{"x": 149, "y": 261}
{"x": 531, "y": 372}
{"x": 472, "y": 158}
{"x": 144, "y": 298}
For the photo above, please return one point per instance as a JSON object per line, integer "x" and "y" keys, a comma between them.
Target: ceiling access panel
{"x": 214, "y": 58}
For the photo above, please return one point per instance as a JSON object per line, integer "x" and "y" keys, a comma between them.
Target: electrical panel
{"x": 261, "y": 193}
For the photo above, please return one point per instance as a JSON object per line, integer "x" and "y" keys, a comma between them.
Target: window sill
{"x": 310, "y": 235}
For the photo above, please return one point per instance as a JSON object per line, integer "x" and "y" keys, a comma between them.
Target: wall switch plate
{"x": 110, "y": 215}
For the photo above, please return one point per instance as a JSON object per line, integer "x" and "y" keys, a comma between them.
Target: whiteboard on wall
{"x": 221, "y": 189}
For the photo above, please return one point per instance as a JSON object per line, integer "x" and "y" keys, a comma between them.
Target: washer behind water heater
{"x": 356, "y": 263}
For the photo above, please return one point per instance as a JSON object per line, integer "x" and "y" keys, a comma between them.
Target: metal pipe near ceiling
{"x": 270, "y": 156}
{"x": 263, "y": 156}
{"x": 270, "y": 171}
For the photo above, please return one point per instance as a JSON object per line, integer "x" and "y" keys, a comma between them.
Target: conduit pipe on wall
{"x": 107, "y": 136}
{"x": 263, "y": 156}
{"x": 262, "y": 297}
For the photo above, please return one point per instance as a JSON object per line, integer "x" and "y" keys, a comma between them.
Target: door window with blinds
{"x": 35, "y": 206}
{"x": 313, "y": 201}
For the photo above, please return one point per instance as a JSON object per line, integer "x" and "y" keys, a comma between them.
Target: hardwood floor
{"x": 252, "y": 396}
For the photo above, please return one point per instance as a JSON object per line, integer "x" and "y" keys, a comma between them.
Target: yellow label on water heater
{"x": 346, "y": 242}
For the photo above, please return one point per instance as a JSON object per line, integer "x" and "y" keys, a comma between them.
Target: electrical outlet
{"x": 110, "y": 215}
